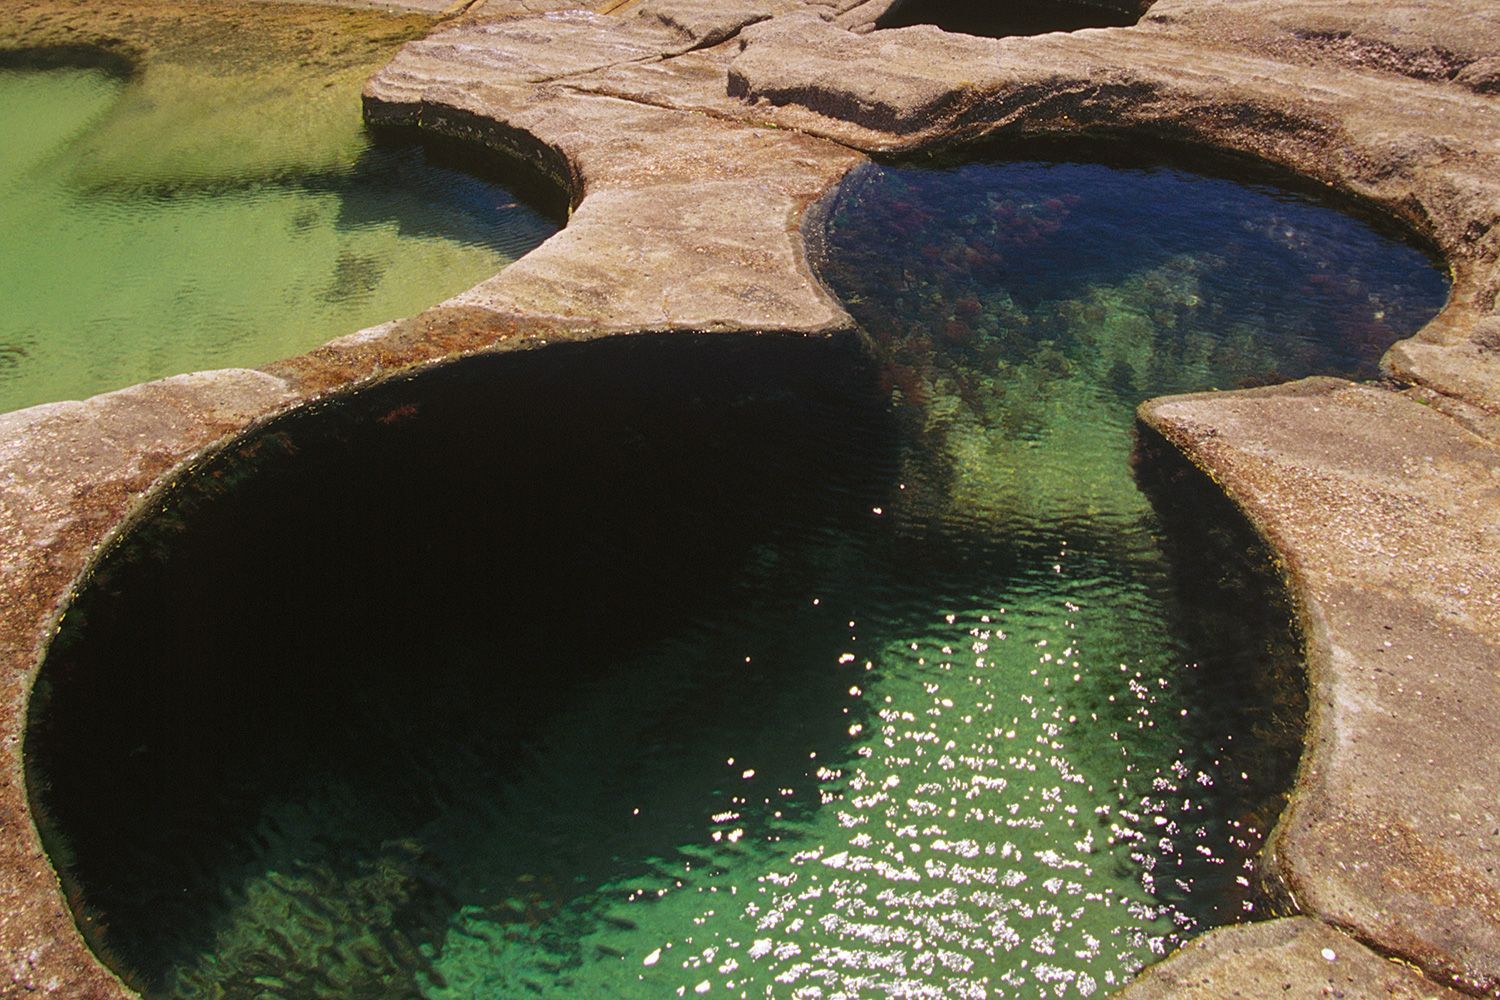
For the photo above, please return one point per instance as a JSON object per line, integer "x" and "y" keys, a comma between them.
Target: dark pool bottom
{"x": 1013, "y": 18}
{"x": 617, "y": 668}
{"x": 683, "y": 665}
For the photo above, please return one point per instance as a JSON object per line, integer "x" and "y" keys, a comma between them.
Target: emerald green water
{"x": 112, "y": 278}
{"x": 679, "y": 666}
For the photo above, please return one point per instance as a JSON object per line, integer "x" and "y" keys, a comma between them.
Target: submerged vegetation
{"x": 681, "y": 665}
{"x": 217, "y": 91}
{"x": 1033, "y": 305}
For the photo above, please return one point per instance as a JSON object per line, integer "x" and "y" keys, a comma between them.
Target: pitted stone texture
{"x": 1481, "y": 75}
{"x": 686, "y": 220}
{"x": 1467, "y": 369}
{"x": 694, "y": 82}
{"x": 113, "y": 437}
{"x": 862, "y": 16}
{"x": 1438, "y": 40}
{"x": 531, "y": 50}
{"x": 914, "y": 81}
{"x": 1295, "y": 958}
{"x": 1388, "y": 517}
{"x": 495, "y": 10}
{"x": 69, "y": 473}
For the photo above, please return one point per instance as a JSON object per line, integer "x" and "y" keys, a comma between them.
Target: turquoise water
{"x": 113, "y": 278}
{"x": 679, "y": 666}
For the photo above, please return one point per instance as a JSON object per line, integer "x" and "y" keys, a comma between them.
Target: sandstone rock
{"x": 1296, "y": 958}
{"x": 698, "y": 23}
{"x": 902, "y": 81}
{"x": 1388, "y": 518}
{"x": 519, "y": 51}
{"x": 1423, "y": 39}
{"x": 1486, "y": 335}
{"x": 691, "y": 137}
{"x": 70, "y": 473}
{"x": 1482, "y": 75}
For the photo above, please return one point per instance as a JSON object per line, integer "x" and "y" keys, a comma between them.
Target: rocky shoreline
{"x": 693, "y": 136}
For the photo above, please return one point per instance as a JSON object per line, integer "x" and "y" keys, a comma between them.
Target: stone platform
{"x": 693, "y": 135}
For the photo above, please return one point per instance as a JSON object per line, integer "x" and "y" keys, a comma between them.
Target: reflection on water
{"x": 721, "y": 666}
{"x": 112, "y": 277}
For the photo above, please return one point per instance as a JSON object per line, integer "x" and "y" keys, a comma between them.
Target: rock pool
{"x": 684, "y": 665}
{"x": 128, "y": 263}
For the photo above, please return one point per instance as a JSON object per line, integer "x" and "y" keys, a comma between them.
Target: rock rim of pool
{"x": 694, "y": 135}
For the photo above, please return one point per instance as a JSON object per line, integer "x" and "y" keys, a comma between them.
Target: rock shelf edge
{"x": 693, "y": 137}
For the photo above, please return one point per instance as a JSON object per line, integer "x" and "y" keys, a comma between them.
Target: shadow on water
{"x": 518, "y": 674}
{"x": 377, "y": 609}
{"x": 116, "y": 64}
{"x": 326, "y": 680}
{"x": 434, "y": 191}
{"x": 1011, "y": 18}
{"x": 418, "y": 182}
{"x": 449, "y": 190}
{"x": 326, "y": 237}
{"x": 1247, "y": 682}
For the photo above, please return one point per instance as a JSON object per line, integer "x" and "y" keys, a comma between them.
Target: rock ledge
{"x": 692, "y": 136}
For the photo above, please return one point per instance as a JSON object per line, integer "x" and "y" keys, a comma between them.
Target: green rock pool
{"x": 683, "y": 665}
{"x": 124, "y": 264}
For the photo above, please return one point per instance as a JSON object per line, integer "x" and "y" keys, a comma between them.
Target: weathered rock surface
{"x": 70, "y": 474}
{"x": 1425, "y": 40}
{"x": 1228, "y": 76}
{"x": 696, "y": 25}
{"x": 1388, "y": 519}
{"x": 1295, "y": 958}
{"x": 685, "y": 221}
{"x": 692, "y": 135}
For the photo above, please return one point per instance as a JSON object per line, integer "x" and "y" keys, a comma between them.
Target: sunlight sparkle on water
{"x": 856, "y": 675}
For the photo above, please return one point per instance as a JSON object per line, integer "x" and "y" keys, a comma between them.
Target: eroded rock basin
{"x": 694, "y": 666}
{"x": 629, "y": 667}
{"x": 1380, "y": 507}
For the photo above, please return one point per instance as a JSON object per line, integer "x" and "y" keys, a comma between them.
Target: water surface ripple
{"x": 116, "y": 271}
{"x": 705, "y": 666}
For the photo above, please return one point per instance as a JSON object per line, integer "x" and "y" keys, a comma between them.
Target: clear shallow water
{"x": 1022, "y": 310}
{"x": 724, "y": 666}
{"x": 108, "y": 280}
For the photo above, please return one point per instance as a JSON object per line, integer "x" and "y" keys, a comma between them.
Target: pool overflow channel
{"x": 673, "y": 663}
